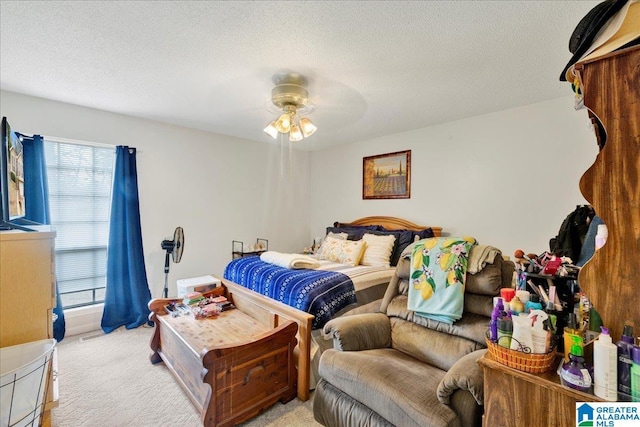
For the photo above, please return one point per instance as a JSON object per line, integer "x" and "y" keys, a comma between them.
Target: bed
{"x": 367, "y": 284}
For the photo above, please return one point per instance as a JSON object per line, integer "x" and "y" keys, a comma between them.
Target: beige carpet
{"x": 107, "y": 380}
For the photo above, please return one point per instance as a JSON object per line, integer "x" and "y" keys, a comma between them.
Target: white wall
{"x": 507, "y": 178}
{"x": 217, "y": 188}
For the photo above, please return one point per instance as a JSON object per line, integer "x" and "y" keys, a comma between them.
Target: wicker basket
{"x": 533, "y": 363}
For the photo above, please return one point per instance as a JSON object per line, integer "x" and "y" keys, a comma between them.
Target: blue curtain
{"x": 36, "y": 194}
{"x": 127, "y": 293}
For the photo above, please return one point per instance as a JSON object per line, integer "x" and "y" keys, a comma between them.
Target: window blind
{"x": 80, "y": 179}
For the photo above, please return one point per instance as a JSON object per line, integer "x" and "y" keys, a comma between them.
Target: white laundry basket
{"x": 24, "y": 376}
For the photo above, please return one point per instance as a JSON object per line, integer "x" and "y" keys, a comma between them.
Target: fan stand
{"x": 168, "y": 246}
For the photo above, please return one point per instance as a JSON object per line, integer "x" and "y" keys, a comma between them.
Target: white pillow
{"x": 342, "y": 251}
{"x": 378, "y": 250}
{"x": 341, "y": 236}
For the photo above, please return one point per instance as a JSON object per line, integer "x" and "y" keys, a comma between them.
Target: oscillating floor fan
{"x": 174, "y": 248}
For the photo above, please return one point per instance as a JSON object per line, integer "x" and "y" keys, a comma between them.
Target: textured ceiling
{"x": 374, "y": 68}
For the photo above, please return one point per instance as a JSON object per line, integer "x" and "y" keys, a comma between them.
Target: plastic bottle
{"x": 501, "y": 309}
{"x": 605, "y": 366}
{"x": 574, "y": 373}
{"x": 493, "y": 324}
{"x": 507, "y": 295}
{"x": 524, "y": 296}
{"x": 570, "y": 331}
{"x": 516, "y": 305}
{"x": 505, "y": 330}
{"x": 595, "y": 321}
{"x": 533, "y": 304}
{"x": 521, "y": 339}
{"x": 539, "y": 336}
{"x": 625, "y": 360}
{"x": 635, "y": 374}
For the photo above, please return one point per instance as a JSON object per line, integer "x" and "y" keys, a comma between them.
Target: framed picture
{"x": 387, "y": 176}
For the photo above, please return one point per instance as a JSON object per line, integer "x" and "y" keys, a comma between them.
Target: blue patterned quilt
{"x": 318, "y": 292}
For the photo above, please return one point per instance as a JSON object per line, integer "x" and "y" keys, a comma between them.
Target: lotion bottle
{"x": 521, "y": 339}
{"x": 625, "y": 360}
{"x": 605, "y": 366}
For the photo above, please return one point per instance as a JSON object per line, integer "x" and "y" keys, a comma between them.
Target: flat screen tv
{"x": 12, "y": 203}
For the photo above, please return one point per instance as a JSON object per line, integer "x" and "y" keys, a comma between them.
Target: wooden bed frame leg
{"x": 155, "y": 340}
{"x": 304, "y": 363}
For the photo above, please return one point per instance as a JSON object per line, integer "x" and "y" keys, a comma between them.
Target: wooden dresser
{"x": 27, "y": 292}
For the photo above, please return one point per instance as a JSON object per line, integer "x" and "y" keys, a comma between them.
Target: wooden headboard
{"x": 390, "y": 223}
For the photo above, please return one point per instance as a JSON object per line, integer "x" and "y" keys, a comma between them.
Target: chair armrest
{"x": 372, "y": 307}
{"x": 364, "y": 331}
{"x": 465, "y": 374}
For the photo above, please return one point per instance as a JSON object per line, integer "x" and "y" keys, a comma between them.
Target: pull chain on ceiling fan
{"x": 291, "y": 96}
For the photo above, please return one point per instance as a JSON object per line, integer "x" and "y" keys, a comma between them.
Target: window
{"x": 80, "y": 178}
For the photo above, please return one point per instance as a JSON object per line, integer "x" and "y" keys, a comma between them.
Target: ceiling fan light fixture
{"x": 271, "y": 130}
{"x": 295, "y": 134}
{"x": 290, "y": 96}
{"x": 308, "y": 128}
{"x": 283, "y": 124}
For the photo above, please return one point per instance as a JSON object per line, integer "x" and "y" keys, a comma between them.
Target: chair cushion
{"x": 471, "y": 327}
{"x": 409, "y": 399}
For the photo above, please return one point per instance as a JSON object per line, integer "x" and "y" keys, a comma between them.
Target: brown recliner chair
{"x": 393, "y": 367}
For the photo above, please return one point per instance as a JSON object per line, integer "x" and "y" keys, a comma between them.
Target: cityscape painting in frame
{"x": 387, "y": 176}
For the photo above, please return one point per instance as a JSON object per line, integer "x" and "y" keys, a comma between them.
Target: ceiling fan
{"x": 291, "y": 100}
{"x": 174, "y": 248}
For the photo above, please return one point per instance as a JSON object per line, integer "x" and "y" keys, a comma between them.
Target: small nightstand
{"x": 237, "y": 248}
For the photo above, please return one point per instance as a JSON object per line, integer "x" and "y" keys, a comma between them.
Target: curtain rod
{"x": 77, "y": 142}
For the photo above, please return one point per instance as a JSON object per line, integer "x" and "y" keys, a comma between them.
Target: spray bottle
{"x": 539, "y": 335}
{"x": 493, "y": 324}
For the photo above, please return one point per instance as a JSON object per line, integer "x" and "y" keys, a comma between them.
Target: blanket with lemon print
{"x": 438, "y": 271}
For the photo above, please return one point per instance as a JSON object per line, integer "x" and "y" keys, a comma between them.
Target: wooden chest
{"x": 231, "y": 366}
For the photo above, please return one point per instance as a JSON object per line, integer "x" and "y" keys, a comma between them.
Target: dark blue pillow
{"x": 404, "y": 238}
{"x": 354, "y": 232}
{"x": 424, "y": 234}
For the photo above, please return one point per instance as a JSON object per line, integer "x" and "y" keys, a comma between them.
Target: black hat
{"x": 588, "y": 28}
